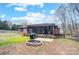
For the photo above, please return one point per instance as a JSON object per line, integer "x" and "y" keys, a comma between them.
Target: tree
{"x": 5, "y": 25}
{"x": 14, "y": 27}
{"x": 74, "y": 8}
{"x": 62, "y": 17}
{"x": 68, "y": 14}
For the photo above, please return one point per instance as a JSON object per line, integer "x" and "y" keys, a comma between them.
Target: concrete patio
{"x": 45, "y": 39}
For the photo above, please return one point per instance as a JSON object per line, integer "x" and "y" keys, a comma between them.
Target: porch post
{"x": 53, "y": 30}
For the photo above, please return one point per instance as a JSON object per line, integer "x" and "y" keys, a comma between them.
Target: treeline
{"x": 68, "y": 15}
{"x": 6, "y": 25}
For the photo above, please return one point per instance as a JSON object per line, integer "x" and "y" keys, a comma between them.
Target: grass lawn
{"x": 11, "y": 38}
{"x": 58, "y": 46}
{"x": 65, "y": 41}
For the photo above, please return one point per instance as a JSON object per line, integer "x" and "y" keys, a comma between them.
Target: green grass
{"x": 12, "y": 38}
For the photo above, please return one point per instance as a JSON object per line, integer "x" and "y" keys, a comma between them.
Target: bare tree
{"x": 67, "y": 14}
{"x": 62, "y": 17}
{"x": 73, "y": 8}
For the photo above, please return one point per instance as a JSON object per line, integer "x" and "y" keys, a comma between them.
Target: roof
{"x": 45, "y": 24}
{"x": 35, "y": 25}
{"x": 21, "y": 26}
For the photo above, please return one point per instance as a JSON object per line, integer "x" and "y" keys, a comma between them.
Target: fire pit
{"x": 33, "y": 42}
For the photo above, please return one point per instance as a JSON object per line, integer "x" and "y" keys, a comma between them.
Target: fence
{"x": 6, "y": 31}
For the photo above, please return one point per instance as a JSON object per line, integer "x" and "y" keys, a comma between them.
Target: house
{"x": 46, "y": 28}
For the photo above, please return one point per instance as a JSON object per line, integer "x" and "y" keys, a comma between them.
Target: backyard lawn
{"x": 65, "y": 41}
{"x": 11, "y": 38}
{"x": 13, "y": 43}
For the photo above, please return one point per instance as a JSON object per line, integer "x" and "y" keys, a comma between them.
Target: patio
{"x": 45, "y": 39}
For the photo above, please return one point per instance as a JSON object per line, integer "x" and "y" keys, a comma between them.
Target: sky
{"x": 20, "y": 13}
